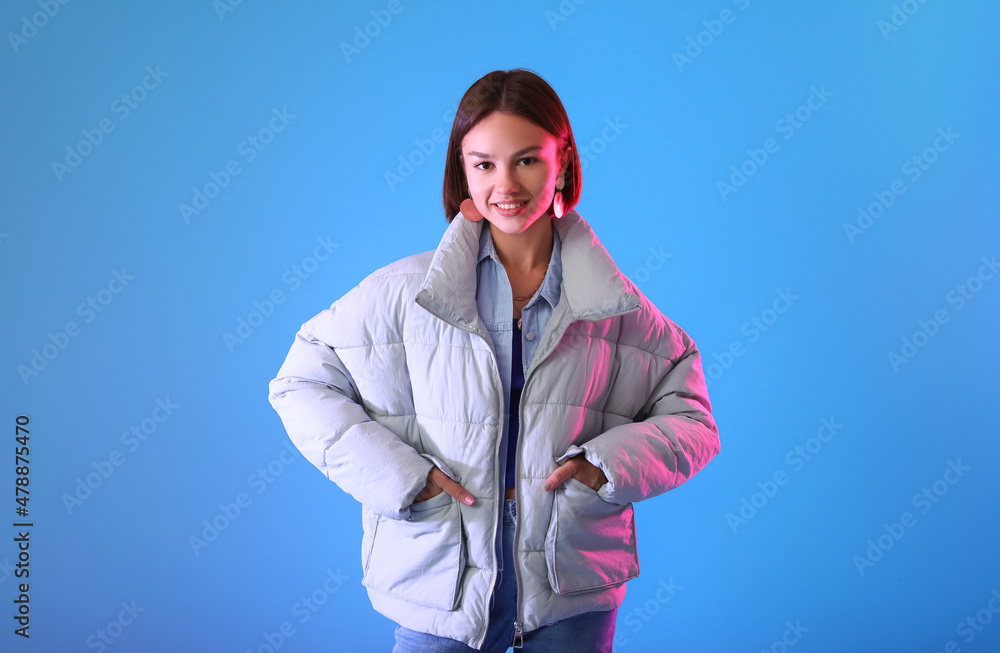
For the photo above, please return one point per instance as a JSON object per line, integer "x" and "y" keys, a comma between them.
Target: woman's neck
{"x": 526, "y": 252}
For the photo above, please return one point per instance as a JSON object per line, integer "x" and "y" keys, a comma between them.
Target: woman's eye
{"x": 529, "y": 159}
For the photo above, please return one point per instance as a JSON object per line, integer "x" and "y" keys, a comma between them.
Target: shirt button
{"x": 529, "y": 335}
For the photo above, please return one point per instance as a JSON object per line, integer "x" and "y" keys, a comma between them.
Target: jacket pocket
{"x": 421, "y": 559}
{"x": 590, "y": 543}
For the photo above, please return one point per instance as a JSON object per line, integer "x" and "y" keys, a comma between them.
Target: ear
{"x": 564, "y": 160}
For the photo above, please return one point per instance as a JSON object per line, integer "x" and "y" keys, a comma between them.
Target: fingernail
{"x": 468, "y": 501}
{"x": 546, "y": 485}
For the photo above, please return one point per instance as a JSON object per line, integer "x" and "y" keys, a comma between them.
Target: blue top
{"x": 516, "y": 385}
{"x": 494, "y": 300}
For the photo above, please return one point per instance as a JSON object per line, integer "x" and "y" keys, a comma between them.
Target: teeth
{"x": 508, "y": 207}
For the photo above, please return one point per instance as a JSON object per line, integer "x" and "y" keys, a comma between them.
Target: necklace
{"x": 531, "y": 294}
{"x": 528, "y": 296}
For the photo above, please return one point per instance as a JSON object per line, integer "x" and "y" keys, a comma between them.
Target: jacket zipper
{"x": 498, "y": 382}
{"x": 496, "y": 457}
{"x": 518, "y": 642}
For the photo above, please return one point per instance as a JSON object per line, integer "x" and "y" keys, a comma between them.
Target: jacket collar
{"x": 592, "y": 285}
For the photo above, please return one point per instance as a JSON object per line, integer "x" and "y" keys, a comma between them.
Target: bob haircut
{"x": 519, "y": 92}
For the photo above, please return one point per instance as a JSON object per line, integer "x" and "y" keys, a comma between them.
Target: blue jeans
{"x": 591, "y": 632}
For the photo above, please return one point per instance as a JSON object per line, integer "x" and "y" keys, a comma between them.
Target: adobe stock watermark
{"x": 714, "y": 27}
{"x": 372, "y": 30}
{"x": 6, "y": 570}
{"x": 923, "y": 501}
{"x": 132, "y": 438}
{"x": 249, "y": 148}
{"x": 752, "y": 329}
{"x": 292, "y": 279}
{"x": 223, "y": 7}
{"x": 970, "y": 627}
{"x": 259, "y": 481}
{"x": 424, "y": 147}
{"x": 597, "y": 145}
{"x": 792, "y": 635}
{"x": 787, "y": 126}
{"x": 565, "y": 9}
{"x": 796, "y": 459}
{"x": 959, "y": 296}
{"x": 105, "y": 636}
{"x": 657, "y": 259}
{"x": 302, "y": 610}
{"x": 900, "y": 15}
{"x": 39, "y": 19}
{"x": 88, "y": 310}
{"x": 122, "y": 106}
{"x": 914, "y": 168}
{"x": 637, "y": 618}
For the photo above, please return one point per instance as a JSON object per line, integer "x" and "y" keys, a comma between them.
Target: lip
{"x": 512, "y": 212}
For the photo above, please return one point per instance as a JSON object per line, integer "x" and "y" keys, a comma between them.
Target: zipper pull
{"x": 518, "y": 636}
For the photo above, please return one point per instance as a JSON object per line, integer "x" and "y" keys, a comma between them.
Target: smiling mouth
{"x": 508, "y": 206}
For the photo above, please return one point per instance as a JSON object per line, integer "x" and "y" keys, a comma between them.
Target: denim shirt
{"x": 494, "y": 300}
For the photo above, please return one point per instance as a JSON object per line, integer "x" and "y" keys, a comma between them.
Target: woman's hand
{"x": 579, "y": 468}
{"x": 438, "y": 482}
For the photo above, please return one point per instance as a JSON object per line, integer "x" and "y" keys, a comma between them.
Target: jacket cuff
{"x": 606, "y": 491}
{"x": 404, "y": 512}
{"x": 440, "y": 464}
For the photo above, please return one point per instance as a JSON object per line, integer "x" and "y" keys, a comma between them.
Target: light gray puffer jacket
{"x": 400, "y": 374}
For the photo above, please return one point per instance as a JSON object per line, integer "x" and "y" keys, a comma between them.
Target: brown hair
{"x": 520, "y": 92}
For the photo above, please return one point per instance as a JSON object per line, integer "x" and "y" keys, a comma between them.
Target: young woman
{"x": 497, "y": 404}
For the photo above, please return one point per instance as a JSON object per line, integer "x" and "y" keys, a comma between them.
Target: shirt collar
{"x": 550, "y": 288}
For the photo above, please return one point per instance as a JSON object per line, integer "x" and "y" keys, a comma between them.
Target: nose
{"x": 507, "y": 183}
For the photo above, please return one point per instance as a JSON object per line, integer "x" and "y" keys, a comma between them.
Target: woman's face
{"x": 509, "y": 160}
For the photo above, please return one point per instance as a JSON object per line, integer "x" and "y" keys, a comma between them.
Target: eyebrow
{"x": 516, "y": 154}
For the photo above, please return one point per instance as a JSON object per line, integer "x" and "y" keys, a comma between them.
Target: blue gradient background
{"x": 651, "y": 189}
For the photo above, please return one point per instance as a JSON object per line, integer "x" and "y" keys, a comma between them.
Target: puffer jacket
{"x": 400, "y": 374}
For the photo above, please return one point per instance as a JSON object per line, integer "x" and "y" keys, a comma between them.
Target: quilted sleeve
{"x": 674, "y": 436}
{"x": 317, "y": 401}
